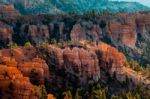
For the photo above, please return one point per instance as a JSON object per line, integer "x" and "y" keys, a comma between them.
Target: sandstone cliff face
{"x": 86, "y": 31}
{"x": 25, "y": 60}
{"x": 69, "y": 64}
{"x": 6, "y": 32}
{"x": 8, "y": 11}
{"x": 143, "y": 24}
{"x": 14, "y": 85}
{"x": 110, "y": 58}
{"x": 121, "y": 29}
{"x": 38, "y": 34}
{"x": 123, "y": 34}
{"x": 78, "y": 62}
{"x": 20, "y": 68}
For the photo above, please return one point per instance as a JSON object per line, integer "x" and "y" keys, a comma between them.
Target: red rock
{"x": 38, "y": 34}
{"x": 143, "y": 23}
{"x": 39, "y": 66}
{"x": 78, "y": 33}
{"x": 7, "y": 8}
{"x": 8, "y": 11}
{"x": 123, "y": 34}
{"x": 25, "y": 60}
{"x": 110, "y": 58}
{"x": 5, "y": 33}
{"x": 14, "y": 85}
{"x": 77, "y": 61}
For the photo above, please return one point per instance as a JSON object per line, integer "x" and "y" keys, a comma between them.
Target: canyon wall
{"x": 120, "y": 30}
{"x": 8, "y": 11}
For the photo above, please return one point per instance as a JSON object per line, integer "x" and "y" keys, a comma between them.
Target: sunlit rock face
{"x": 24, "y": 59}
{"x": 110, "y": 58}
{"x": 14, "y": 85}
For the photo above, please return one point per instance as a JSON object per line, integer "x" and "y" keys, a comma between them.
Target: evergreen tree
{"x": 114, "y": 97}
{"x": 43, "y": 92}
{"x": 67, "y": 95}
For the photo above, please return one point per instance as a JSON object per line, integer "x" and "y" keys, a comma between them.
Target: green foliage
{"x": 114, "y": 97}
{"x": 90, "y": 14}
{"x": 43, "y": 44}
{"x": 144, "y": 70}
{"x": 28, "y": 44}
{"x": 98, "y": 93}
{"x": 67, "y": 95}
{"x": 138, "y": 88}
{"x": 43, "y": 92}
{"x": 135, "y": 65}
{"x": 77, "y": 95}
{"x": 78, "y": 6}
{"x": 131, "y": 95}
{"x": 53, "y": 41}
{"x": 147, "y": 70}
{"x": 127, "y": 80}
{"x": 61, "y": 44}
{"x": 13, "y": 45}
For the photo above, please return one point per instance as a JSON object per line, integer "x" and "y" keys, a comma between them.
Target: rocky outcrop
{"x": 123, "y": 32}
{"x": 24, "y": 59}
{"x": 38, "y": 34}
{"x": 8, "y": 11}
{"x": 78, "y": 62}
{"x": 14, "y": 85}
{"x": 120, "y": 28}
{"x": 37, "y": 70}
{"x": 143, "y": 24}
{"x": 86, "y": 30}
{"x": 6, "y": 32}
{"x": 110, "y": 58}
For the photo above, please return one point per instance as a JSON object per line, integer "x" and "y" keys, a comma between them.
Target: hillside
{"x": 78, "y": 6}
{"x": 44, "y": 56}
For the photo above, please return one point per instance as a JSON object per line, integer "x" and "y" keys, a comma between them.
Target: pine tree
{"x": 67, "y": 95}
{"x": 77, "y": 96}
{"x": 114, "y": 97}
{"x": 43, "y": 92}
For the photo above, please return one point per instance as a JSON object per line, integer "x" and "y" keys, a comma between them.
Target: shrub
{"x": 28, "y": 44}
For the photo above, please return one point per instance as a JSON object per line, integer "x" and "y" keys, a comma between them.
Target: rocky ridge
{"x": 78, "y": 6}
{"x": 42, "y": 64}
{"x": 122, "y": 30}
